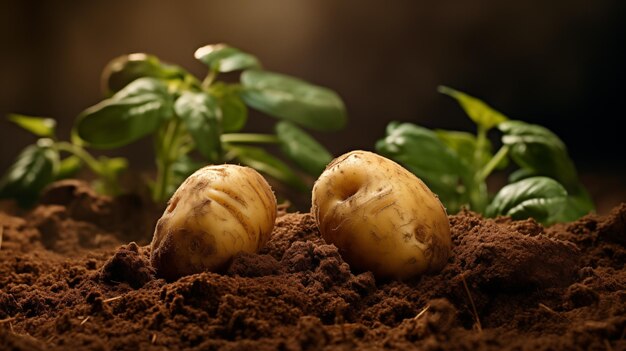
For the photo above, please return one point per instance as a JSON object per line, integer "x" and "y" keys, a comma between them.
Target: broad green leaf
{"x": 68, "y": 167}
{"x": 539, "y": 197}
{"x": 294, "y": 100}
{"x": 223, "y": 58}
{"x": 550, "y": 211}
{"x": 302, "y": 149}
{"x": 33, "y": 169}
{"x": 132, "y": 113}
{"x": 521, "y": 173}
{"x": 477, "y": 110}
{"x": 263, "y": 162}
{"x": 464, "y": 145}
{"x": 122, "y": 70}
{"x": 544, "y": 210}
{"x": 424, "y": 154}
{"x": 40, "y": 126}
{"x": 201, "y": 115}
{"x": 540, "y": 151}
{"x": 234, "y": 111}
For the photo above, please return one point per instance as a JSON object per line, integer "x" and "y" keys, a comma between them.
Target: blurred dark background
{"x": 557, "y": 63}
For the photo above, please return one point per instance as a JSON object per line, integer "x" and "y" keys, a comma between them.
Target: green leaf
{"x": 542, "y": 198}
{"x": 234, "y": 111}
{"x": 464, "y": 145}
{"x": 68, "y": 167}
{"x": 546, "y": 211}
{"x": 263, "y": 162}
{"x": 521, "y": 173}
{"x": 294, "y": 100}
{"x": 33, "y": 169}
{"x": 477, "y": 110}
{"x": 200, "y": 113}
{"x": 539, "y": 151}
{"x": 40, "y": 126}
{"x": 123, "y": 70}
{"x": 223, "y": 58}
{"x": 302, "y": 149}
{"x": 132, "y": 113}
{"x": 424, "y": 154}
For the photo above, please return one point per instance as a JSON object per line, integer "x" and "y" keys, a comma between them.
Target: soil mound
{"x": 70, "y": 279}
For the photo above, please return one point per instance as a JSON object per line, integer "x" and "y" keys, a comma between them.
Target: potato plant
{"x": 216, "y": 212}
{"x": 455, "y": 165}
{"x": 381, "y": 217}
{"x": 191, "y": 121}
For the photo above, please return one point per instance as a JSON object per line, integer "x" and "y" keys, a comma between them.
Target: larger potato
{"x": 215, "y": 213}
{"x": 381, "y": 216}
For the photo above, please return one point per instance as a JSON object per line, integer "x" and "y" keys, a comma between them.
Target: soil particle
{"x": 528, "y": 287}
{"x": 128, "y": 265}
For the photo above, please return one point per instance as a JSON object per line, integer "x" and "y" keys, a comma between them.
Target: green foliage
{"x": 223, "y": 58}
{"x": 538, "y": 197}
{"x": 292, "y": 99}
{"x": 423, "y": 153}
{"x": 455, "y": 165}
{"x": 132, "y": 113}
{"x": 192, "y": 123}
{"x": 201, "y": 115}
{"x": 46, "y": 160}
{"x": 34, "y": 168}
{"x": 40, "y": 126}
{"x": 305, "y": 151}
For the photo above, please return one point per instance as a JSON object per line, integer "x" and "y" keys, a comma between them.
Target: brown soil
{"x": 67, "y": 282}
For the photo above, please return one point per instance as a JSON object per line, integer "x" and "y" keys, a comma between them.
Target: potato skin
{"x": 215, "y": 213}
{"x": 381, "y": 217}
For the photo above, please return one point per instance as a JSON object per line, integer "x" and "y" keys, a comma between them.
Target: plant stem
{"x": 109, "y": 181}
{"x": 493, "y": 163}
{"x": 249, "y": 138}
{"x": 478, "y": 189}
{"x": 78, "y": 151}
{"x": 166, "y": 145}
{"x": 481, "y": 139}
{"x": 206, "y": 83}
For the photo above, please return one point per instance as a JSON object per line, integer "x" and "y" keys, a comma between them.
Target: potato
{"x": 215, "y": 213}
{"x": 381, "y": 217}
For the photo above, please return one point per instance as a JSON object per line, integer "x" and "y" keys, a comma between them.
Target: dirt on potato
{"x": 71, "y": 277}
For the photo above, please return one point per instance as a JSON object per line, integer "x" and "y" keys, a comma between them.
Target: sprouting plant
{"x": 49, "y": 159}
{"x": 183, "y": 114}
{"x": 456, "y": 165}
{"x": 192, "y": 123}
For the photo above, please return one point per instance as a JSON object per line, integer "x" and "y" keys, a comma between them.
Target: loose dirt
{"x": 71, "y": 277}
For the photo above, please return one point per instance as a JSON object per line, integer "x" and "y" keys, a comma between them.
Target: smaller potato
{"x": 381, "y": 217}
{"x": 217, "y": 212}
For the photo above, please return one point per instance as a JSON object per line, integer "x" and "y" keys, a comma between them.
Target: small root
{"x": 478, "y": 325}
{"x": 547, "y": 308}
{"x": 421, "y": 312}
{"x": 7, "y": 320}
{"x": 112, "y": 299}
{"x": 85, "y": 320}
